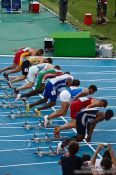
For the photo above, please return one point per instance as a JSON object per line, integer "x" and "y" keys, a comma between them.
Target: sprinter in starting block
{"x": 47, "y": 138}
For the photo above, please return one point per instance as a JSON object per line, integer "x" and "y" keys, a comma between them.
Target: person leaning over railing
{"x": 106, "y": 165}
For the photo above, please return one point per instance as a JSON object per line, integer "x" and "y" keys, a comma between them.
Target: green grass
{"x": 76, "y": 11}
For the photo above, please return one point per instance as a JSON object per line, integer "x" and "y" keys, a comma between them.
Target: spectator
{"x": 101, "y": 11}
{"x": 70, "y": 161}
{"x": 108, "y": 163}
{"x": 86, "y": 169}
{"x": 63, "y": 5}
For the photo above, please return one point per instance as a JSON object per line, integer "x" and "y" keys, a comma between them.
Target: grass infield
{"x": 76, "y": 11}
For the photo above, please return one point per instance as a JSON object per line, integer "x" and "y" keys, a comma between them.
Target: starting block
{"x": 6, "y": 95}
{"x": 40, "y": 125}
{"x": 2, "y": 79}
{"x": 4, "y": 87}
{"x": 10, "y": 105}
{"x": 20, "y": 113}
{"x": 47, "y": 138}
{"x": 29, "y": 126}
{"x": 50, "y": 152}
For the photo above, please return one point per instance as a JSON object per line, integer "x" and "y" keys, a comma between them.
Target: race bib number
{"x": 83, "y": 99}
{"x": 53, "y": 92}
{"x": 26, "y": 69}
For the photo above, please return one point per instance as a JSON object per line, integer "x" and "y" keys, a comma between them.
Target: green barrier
{"x": 73, "y": 44}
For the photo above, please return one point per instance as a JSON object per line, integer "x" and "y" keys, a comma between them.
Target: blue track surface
{"x": 16, "y": 149}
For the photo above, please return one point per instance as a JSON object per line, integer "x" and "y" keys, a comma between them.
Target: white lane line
{"x": 8, "y": 127}
{"x": 46, "y": 147}
{"x": 17, "y": 141}
{"x": 20, "y": 149}
{"x": 11, "y": 127}
{"x": 93, "y": 73}
{"x": 108, "y": 97}
{"x": 23, "y": 149}
{"x": 108, "y": 130}
{"x": 105, "y": 130}
{"x": 113, "y": 118}
{"x": 69, "y": 58}
{"x": 108, "y": 81}
{"x": 100, "y": 79}
{"x": 18, "y": 123}
{"x": 21, "y": 135}
{"x": 28, "y": 164}
{"x": 78, "y": 65}
{"x": 51, "y": 133}
{"x": 96, "y": 144}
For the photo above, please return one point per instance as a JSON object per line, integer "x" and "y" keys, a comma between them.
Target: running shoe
{"x": 24, "y": 100}
{"x": 59, "y": 148}
{"x": 46, "y": 121}
{"x": 27, "y": 108}
{"x": 38, "y": 112}
{"x": 16, "y": 91}
{"x": 6, "y": 76}
{"x": 18, "y": 96}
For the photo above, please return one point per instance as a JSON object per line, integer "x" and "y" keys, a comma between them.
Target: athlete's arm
{"x": 51, "y": 75}
{"x": 40, "y": 60}
{"x": 81, "y": 94}
{"x": 92, "y": 105}
{"x": 91, "y": 128}
{"x": 99, "y": 118}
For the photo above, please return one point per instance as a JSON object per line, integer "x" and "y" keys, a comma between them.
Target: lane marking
{"x": 28, "y": 164}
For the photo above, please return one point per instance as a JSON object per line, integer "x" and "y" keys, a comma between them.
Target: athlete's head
{"x": 66, "y": 72}
{"x": 73, "y": 147}
{"x": 48, "y": 60}
{"x": 92, "y": 89}
{"x": 76, "y": 82}
{"x": 69, "y": 82}
{"x": 103, "y": 103}
{"x": 109, "y": 114}
{"x": 40, "y": 52}
{"x": 57, "y": 67}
